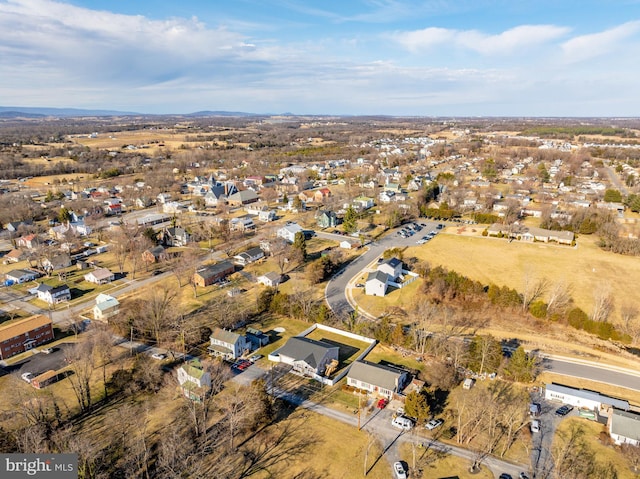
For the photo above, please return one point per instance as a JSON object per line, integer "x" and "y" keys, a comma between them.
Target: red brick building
{"x": 23, "y": 334}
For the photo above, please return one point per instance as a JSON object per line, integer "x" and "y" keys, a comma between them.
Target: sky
{"x": 331, "y": 57}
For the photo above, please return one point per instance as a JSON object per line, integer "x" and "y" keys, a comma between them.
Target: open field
{"x": 585, "y": 268}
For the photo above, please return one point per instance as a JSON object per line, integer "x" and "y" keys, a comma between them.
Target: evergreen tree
{"x": 300, "y": 243}
{"x": 349, "y": 222}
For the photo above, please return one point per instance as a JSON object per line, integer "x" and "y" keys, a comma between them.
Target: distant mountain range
{"x": 36, "y": 112}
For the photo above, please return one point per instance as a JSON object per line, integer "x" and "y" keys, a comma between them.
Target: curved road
{"x": 335, "y": 295}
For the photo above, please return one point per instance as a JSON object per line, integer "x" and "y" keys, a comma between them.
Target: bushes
{"x": 538, "y": 309}
{"x": 603, "y": 329}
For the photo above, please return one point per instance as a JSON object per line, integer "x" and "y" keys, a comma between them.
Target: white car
{"x": 159, "y": 356}
{"x": 398, "y": 470}
{"x": 27, "y": 377}
{"x": 434, "y": 423}
{"x": 535, "y": 425}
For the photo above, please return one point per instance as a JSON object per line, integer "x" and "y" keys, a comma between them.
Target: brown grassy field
{"x": 585, "y": 268}
{"x": 602, "y": 452}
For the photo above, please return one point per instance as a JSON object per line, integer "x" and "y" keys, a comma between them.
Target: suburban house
{"x": 327, "y": 219}
{"x": 346, "y": 244}
{"x": 13, "y": 256}
{"x": 163, "y": 198}
{"x": 624, "y": 427}
{"x": 195, "y": 382}
{"x": 29, "y": 241}
{"x": 250, "y": 256}
{"x": 363, "y": 202}
{"x": 376, "y": 284}
{"x": 106, "y": 306}
{"x": 23, "y": 334}
{"x": 13, "y": 226}
{"x": 377, "y": 379}
{"x": 100, "y": 276}
{"x": 227, "y": 344}
{"x": 175, "y": 236}
{"x": 307, "y": 356}
{"x": 583, "y": 398}
{"x": 530, "y": 233}
{"x": 154, "y": 255}
{"x": 21, "y": 275}
{"x": 53, "y": 294}
{"x": 288, "y": 231}
{"x": 267, "y": 215}
{"x": 208, "y": 275}
{"x": 322, "y": 194}
{"x": 243, "y": 197}
{"x": 243, "y": 223}
{"x": 271, "y": 279}
{"x": 257, "y": 338}
{"x": 55, "y": 263}
{"x": 392, "y": 267}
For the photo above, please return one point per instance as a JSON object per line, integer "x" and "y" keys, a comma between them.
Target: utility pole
{"x": 359, "y": 409}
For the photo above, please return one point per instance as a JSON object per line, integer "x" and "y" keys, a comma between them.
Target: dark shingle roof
{"x": 304, "y": 349}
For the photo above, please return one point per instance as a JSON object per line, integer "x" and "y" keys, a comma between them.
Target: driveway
{"x": 38, "y": 363}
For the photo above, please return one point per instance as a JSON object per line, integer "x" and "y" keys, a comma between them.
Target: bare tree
{"x": 157, "y": 312}
{"x": 629, "y": 314}
{"x": 603, "y": 304}
{"x": 82, "y": 367}
{"x": 533, "y": 289}
{"x": 559, "y": 298}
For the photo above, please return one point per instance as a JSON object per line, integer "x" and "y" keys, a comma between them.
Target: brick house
{"x": 208, "y": 275}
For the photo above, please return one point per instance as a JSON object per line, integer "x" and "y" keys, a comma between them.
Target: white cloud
{"x": 509, "y": 41}
{"x": 589, "y": 46}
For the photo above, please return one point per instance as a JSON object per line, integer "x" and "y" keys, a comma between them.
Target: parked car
{"x": 504, "y": 475}
{"x": 359, "y": 285}
{"x": 159, "y": 356}
{"x": 535, "y": 426}
{"x": 402, "y": 422}
{"x": 522, "y": 475}
{"x": 27, "y": 377}
{"x": 564, "y": 410}
{"x": 255, "y": 357}
{"x": 398, "y": 470}
{"x": 382, "y": 403}
{"x": 46, "y": 350}
{"x": 434, "y": 423}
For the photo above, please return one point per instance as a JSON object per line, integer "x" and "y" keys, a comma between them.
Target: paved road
{"x": 335, "y": 292}
{"x": 626, "y": 378}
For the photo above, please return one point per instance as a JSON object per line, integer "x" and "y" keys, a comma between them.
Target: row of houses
{"x": 530, "y": 233}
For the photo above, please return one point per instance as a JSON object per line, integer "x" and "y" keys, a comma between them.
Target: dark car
{"x": 504, "y": 475}
{"x": 564, "y": 410}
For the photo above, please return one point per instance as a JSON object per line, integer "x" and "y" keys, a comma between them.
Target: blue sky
{"x": 392, "y": 57}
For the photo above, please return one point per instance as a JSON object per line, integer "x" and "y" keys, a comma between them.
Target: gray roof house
{"x": 376, "y": 284}
{"x": 53, "y": 294}
{"x": 249, "y": 256}
{"x": 377, "y": 379}
{"x": 227, "y": 344}
{"x": 307, "y": 356}
{"x": 392, "y": 266}
{"x": 624, "y": 427}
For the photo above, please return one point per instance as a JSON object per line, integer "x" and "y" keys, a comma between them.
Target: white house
{"x": 376, "y": 284}
{"x": 377, "y": 379}
{"x": 194, "y": 381}
{"x": 267, "y": 215}
{"x": 582, "y": 398}
{"x": 346, "y": 244}
{"x": 306, "y": 356}
{"x": 392, "y": 267}
{"x": 289, "y": 231}
{"x": 624, "y": 427}
{"x": 99, "y": 276}
{"x": 106, "y": 306}
{"x": 249, "y": 256}
{"x": 227, "y": 344}
{"x": 21, "y": 275}
{"x": 53, "y": 295}
{"x": 271, "y": 279}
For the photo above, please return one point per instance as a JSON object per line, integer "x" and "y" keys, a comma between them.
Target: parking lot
{"x": 37, "y": 362}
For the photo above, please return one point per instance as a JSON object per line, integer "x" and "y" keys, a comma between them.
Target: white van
{"x": 468, "y": 383}
{"x": 402, "y": 422}
{"x": 535, "y": 426}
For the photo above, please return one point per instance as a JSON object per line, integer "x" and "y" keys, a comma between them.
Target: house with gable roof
{"x": 392, "y": 267}
{"x": 307, "y": 356}
{"x": 227, "y": 344}
{"x": 194, "y": 380}
{"x": 376, "y": 284}
{"x": 377, "y": 379}
{"x": 624, "y": 427}
{"x": 106, "y": 306}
